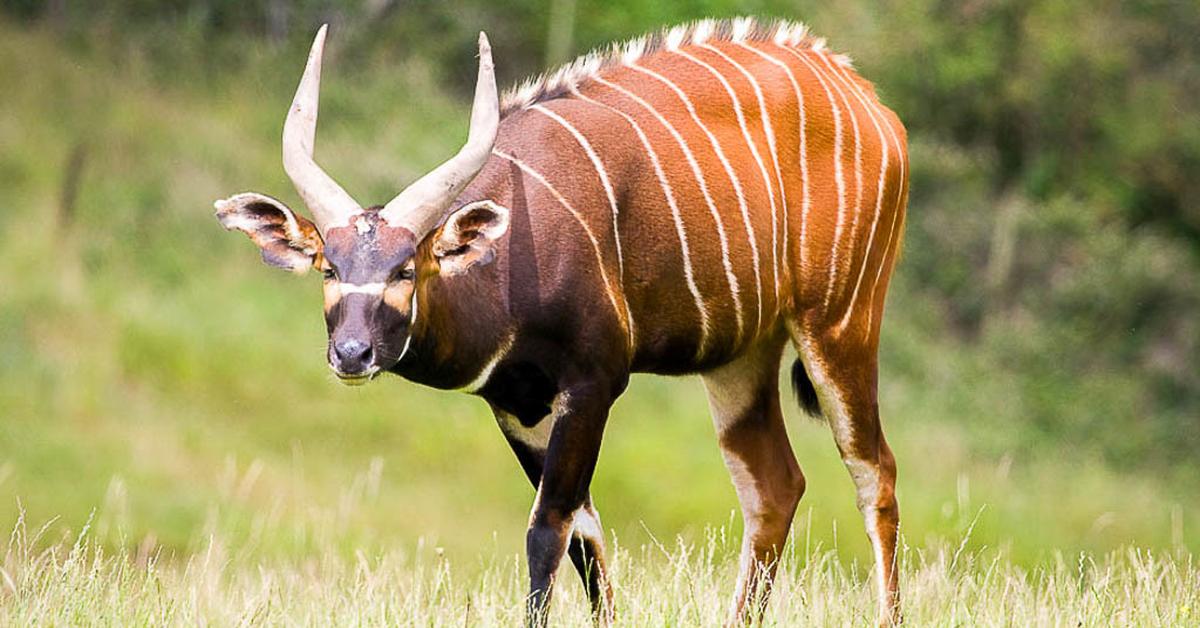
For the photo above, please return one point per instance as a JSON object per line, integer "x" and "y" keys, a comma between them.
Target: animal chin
{"x": 356, "y": 379}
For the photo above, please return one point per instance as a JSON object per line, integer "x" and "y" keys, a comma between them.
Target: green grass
{"x": 159, "y": 381}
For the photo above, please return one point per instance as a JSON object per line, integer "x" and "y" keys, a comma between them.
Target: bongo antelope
{"x": 687, "y": 202}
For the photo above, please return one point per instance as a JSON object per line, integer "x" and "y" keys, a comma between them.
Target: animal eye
{"x": 406, "y": 274}
{"x": 330, "y": 274}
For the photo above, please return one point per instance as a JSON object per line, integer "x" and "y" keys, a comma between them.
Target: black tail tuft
{"x": 805, "y": 391}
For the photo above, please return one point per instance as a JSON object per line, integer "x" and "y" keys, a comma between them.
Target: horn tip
{"x": 319, "y": 40}
{"x": 484, "y": 46}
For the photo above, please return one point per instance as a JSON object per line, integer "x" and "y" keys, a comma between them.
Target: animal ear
{"x": 287, "y": 240}
{"x": 469, "y": 236}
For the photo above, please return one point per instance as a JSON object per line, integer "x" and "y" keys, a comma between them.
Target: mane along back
{"x": 560, "y": 81}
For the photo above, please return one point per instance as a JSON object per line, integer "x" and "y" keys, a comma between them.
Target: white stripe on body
{"x": 612, "y": 203}
{"x": 896, "y": 206}
{"x": 675, "y": 214}
{"x": 897, "y": 211}
{"x": 858, "y": 183}
{"x": 537, "y": 176}
{"x": 838, "y": 176}
{"x": 737, "y": 185}
{"x": 737, "y": 108}
{"x": 805, "y": 200}
{"x": 883, "y": 166}
{"x": 730, "y": 277}
{"x": 770, "y": 133}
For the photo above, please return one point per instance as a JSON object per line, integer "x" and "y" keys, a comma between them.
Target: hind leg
{"x": 845, "y": 377}
{"x": 744, "y": 399}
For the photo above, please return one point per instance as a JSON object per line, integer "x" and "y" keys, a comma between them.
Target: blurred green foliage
{"x": 1042, "y": 334}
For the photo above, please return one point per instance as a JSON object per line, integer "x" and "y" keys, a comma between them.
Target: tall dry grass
{"x": 76, "y": 582}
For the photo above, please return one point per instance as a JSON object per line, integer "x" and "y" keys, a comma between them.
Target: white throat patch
{"x": 412, "y": 320}
{"x": 485, "y": 373}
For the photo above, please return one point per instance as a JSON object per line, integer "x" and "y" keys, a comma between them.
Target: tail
{"x": 805, "y": 392}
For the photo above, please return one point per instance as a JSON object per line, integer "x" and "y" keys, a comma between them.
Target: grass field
{"x": 672, "y": 584}
{"x": 173, "y": 449}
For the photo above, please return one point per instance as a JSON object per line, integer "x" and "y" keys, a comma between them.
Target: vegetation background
{"x": 160, "y": 386}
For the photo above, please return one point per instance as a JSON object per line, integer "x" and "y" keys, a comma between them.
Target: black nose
{"x": 353, "y": 355}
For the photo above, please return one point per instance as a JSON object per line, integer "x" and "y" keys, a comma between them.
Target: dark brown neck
{"x": 460, "y": 324}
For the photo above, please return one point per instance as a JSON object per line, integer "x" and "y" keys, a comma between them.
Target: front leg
{"x": 586, "y": 549}
{"x": 587, "y": 554}
{"x": 561, "y": 507}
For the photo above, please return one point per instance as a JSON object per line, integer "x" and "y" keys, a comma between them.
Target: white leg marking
{"x": 537, "y": 176}
{"x": 587, "y": 524}
{"x": 485, "y": 372}
{"x": 733, "y": 389}
{"x": 872, "y": 112}
{"x": 612, "y": 203}
{"x": 733, "y": 179}
{"x": 679, "y": 228}
{"x": 361, "y": 288}
{"x": 770, "y": 132}
{"x": 536, "y": 437}
{"x": 730, "y": 277}
{"x": 805, "y": 201}
{"x": 866, "y": 483}
{"x": 871, "y": 519}
{"x": 865, "y": 475}
{"x": 741, "y": 118}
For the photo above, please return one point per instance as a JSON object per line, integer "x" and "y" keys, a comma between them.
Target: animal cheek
{"x": 333, "y": 294}
{"x": 398, "y": 296}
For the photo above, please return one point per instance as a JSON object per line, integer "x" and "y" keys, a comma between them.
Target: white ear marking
{"x": 292, "y": 251}
{"x": 479, "y": 248}
{"x": 493, "y": 231}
